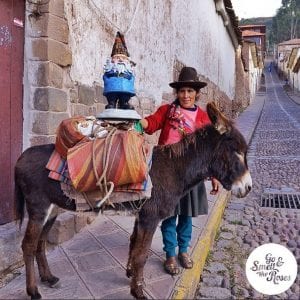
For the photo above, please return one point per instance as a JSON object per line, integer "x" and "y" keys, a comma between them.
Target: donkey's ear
{"x": 221, "y": 123}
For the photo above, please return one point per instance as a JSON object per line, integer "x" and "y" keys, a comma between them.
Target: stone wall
{"x": 47, "y": 60}
{"x": 242, "y": 92}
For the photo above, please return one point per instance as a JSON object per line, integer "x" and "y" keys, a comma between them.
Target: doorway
{"x": 11, "y": 99}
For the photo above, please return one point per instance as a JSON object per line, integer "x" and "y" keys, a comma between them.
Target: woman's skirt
{"x": 194, "y": 203}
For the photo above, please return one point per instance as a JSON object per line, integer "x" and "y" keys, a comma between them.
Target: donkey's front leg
{"x": 29, "y": 246}
{"x": 139, "y": 256}
{"x": 44, "y": 270}
{"x": 131, "y": 246}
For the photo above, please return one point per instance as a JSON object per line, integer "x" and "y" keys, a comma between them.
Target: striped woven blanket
{"x": 129, "y": 163}
{"x": 121, "y": 156}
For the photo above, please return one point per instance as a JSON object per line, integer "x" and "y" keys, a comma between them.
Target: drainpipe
{"x": 221, "y": 10}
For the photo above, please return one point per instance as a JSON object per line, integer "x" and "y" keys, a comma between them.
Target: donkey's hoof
{"x": 128, "y": 272}
{"x": 33, "y": 293}
{"x": 138, "y": 295}
{"x": 36, "y": 296}
{"x": 137, "y": 292}
{"x": 53, "y": 282}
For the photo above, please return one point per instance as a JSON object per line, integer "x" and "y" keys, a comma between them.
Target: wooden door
{"x": 11, "y": 99}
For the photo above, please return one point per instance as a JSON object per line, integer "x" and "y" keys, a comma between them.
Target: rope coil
{"x": 102, "y": 180}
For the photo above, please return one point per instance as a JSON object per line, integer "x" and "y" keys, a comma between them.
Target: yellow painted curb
{"x": 186, "y": 286}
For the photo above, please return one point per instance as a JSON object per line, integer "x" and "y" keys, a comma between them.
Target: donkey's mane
{"x": 180, "y": 148}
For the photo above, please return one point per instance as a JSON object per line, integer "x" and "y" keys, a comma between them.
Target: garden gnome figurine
{"x": 118, "y": 76}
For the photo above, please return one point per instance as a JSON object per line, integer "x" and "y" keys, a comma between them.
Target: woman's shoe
{"x": 185, "y": 260}
{"x": 170, "y": 266}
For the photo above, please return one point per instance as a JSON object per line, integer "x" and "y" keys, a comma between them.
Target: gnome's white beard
{"x": 118, "y": 67}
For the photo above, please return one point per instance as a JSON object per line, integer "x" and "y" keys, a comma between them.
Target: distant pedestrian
{"x": 270, "y": 67}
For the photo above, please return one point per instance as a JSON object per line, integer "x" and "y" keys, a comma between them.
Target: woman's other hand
{"x": 215, "y": 186}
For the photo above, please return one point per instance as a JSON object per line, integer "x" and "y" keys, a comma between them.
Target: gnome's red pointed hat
{"x": 119, "y": 46}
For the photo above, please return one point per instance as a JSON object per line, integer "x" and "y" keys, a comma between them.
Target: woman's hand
{"x": 144, "y": 123}
{"x": 215, "y": 186}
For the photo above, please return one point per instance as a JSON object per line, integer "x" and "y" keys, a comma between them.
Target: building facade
{"x": 293, "y": 66}
{"x": 252, "y": 66}
{"x": 284, "y": 51}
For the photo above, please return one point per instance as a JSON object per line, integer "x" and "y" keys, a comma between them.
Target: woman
{"x": 176, "y": 120}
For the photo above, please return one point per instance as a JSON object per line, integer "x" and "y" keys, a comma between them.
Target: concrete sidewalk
{"x": 92, "y": 264}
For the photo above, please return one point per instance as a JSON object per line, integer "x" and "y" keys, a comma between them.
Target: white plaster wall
{"x": 298, "y": 81}
{"x": 254, "y": 76}
{"x": 156, "y": 34}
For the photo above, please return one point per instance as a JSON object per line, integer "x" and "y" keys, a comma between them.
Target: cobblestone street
{"x": 274, "y": 161}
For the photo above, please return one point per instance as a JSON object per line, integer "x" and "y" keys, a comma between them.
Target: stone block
{"x": 10, "y": 246}
{"x": 50, "y": 99}
{"x": 73, "y": 92}
{"x": 63, "y": 229}
{"x": 213, "y": 280}
{"x": 46, "y": 123}
{"x": 214, "y": 293}
{"x": 40, "y": 49}
{"x": 80, "y": 221}
{"x": 68, "y": 82}
{"x": 100, "y": 107}
{"x": 55, "y": 7}
{"x": 99, "y": 94}
{"x": 86, "y": 94}
{"x": 51, "y": 26}
{"x": 82, "y": 110}
{"x": 48, "y": 49}
{"x": 46, "y": 74}
{"x": 42, "y": 139}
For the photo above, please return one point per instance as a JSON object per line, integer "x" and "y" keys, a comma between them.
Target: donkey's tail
{"x": 19, "y": 202}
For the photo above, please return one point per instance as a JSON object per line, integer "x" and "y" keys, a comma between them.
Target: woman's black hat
{"x": 188, "y": 77}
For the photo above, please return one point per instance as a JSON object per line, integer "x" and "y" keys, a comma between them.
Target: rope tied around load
{"x": 102, "y": 182}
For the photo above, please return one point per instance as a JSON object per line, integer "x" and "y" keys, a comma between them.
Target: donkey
{"x": 217, "y": 150}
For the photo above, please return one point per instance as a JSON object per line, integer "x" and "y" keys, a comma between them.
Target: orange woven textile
{"x": 126, "y": 161}
{"x": 67, "y": 135}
